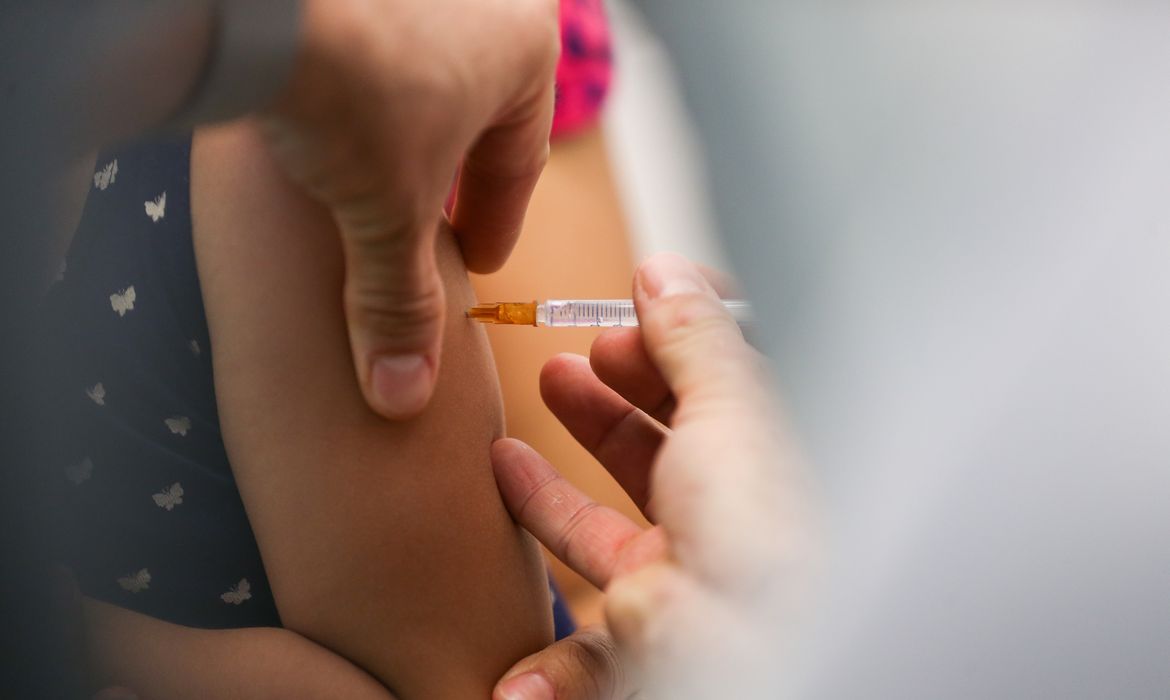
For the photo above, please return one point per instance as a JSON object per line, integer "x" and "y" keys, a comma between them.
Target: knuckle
{"x": 538, "y": 21}
{"x": 543, "y": 17}
{"x": 692, "y": 314}
{"x": 407, "y": 314}
{"x": 540, "y": 158}
{"x": 487, "y": 165}
{"x": 693, "y": 338}
{"x": 699, "y": 330}
{"x": 591, "y": 660}
{"x": 384, "y": 220}
{"x": 573, "y": 524}
{"x": 545, "y": 489}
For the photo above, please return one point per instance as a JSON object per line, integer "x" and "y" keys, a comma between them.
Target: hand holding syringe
{"x": 578, "y": 313}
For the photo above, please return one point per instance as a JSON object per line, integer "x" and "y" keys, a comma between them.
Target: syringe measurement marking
{"x": 594, "y": 313}
{"x": 625, "y": 312}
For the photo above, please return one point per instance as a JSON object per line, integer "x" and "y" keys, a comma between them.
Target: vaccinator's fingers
{"x": 723, "y": 284}
{"x": 621, "y": 437}
{"x": 663, "y": 619}
{"x": 725, "y": 443}
{"x": 696, "y": 344}
{"x": 593, "y": 540}
{"x": 395, "y": 305}
{"x": 585, "y": 665}
{"x": 384, "y": 101}
{"x": 497, "y": 179}
{"x": 618, "y": 358}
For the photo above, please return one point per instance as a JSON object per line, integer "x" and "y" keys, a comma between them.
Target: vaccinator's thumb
{"x": 583, "y": 666}
{"x": 394, "y": 309}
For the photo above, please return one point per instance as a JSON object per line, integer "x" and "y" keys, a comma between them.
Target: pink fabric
{"x": 586, "y": 67}
{"x": 583, "y": 74}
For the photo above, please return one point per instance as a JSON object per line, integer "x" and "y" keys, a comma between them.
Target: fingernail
{"x": 527, "y": 686}
{"x": 669, "y": 275}
{"x": 401, "y": 384}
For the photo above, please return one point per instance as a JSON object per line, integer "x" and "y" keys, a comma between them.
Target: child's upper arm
{"x": 386, "y": 542}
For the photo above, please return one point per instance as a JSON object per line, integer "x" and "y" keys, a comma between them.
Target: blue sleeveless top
{"x": 150, "y": 515}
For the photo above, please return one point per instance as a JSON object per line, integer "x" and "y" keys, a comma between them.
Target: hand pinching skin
{"x": 387, "y": 101}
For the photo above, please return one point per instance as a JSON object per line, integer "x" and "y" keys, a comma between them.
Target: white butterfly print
{"x": 238, "y": 593}
{"x": 195, "y": 349}
{"x": 169, "y": 497}
{"x": 179, "y": 425}
{"x": 158, "y": 208}
{"x": 123, "y": 301}
{"x": 106, "y": 176}
{"x": 97, "y": 394}
{"x": 80, "y": 472}
{"x": 135, "y": 582}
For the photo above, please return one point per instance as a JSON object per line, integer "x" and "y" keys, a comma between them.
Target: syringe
{"x": 579, "y": 313}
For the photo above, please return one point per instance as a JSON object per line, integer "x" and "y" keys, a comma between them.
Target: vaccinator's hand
{"x": 387, "y": 102}
{"x": 721, "y": 483}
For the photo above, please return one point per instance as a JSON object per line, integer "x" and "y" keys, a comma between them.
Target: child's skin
{"x": 385, "y": 542}
{"x": 163, "y": 661}
{"x": 574, "y": 205}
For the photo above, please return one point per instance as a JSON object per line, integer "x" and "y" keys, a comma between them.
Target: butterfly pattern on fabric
{"x": 143, "y": 494}
{"x": 97, "y": 394}
{"x": 238, "y": 593}
{"x": 156, "y": 209}
{"x": 178, "y": 425}
{"x": 135, "y": 582}
{"x": 106, "y": 176}
{"x": 123, "y": 301}
{"x": 80, "y": 472}
{"x": 169, "y": 497}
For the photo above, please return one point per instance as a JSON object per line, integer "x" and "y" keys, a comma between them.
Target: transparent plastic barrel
{"x": 608, "y": 313}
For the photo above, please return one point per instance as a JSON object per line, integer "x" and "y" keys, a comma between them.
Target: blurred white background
{"x": 955, "y": 220}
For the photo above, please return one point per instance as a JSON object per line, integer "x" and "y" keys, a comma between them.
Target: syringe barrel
{"x": 609, "y": 313}
{"x": 586, "y": 313}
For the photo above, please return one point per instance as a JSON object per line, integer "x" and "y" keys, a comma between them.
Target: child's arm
{"x": 163, "y": 661}
{"x": 575, "y": 207}
{"x": 385, "y": 542}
